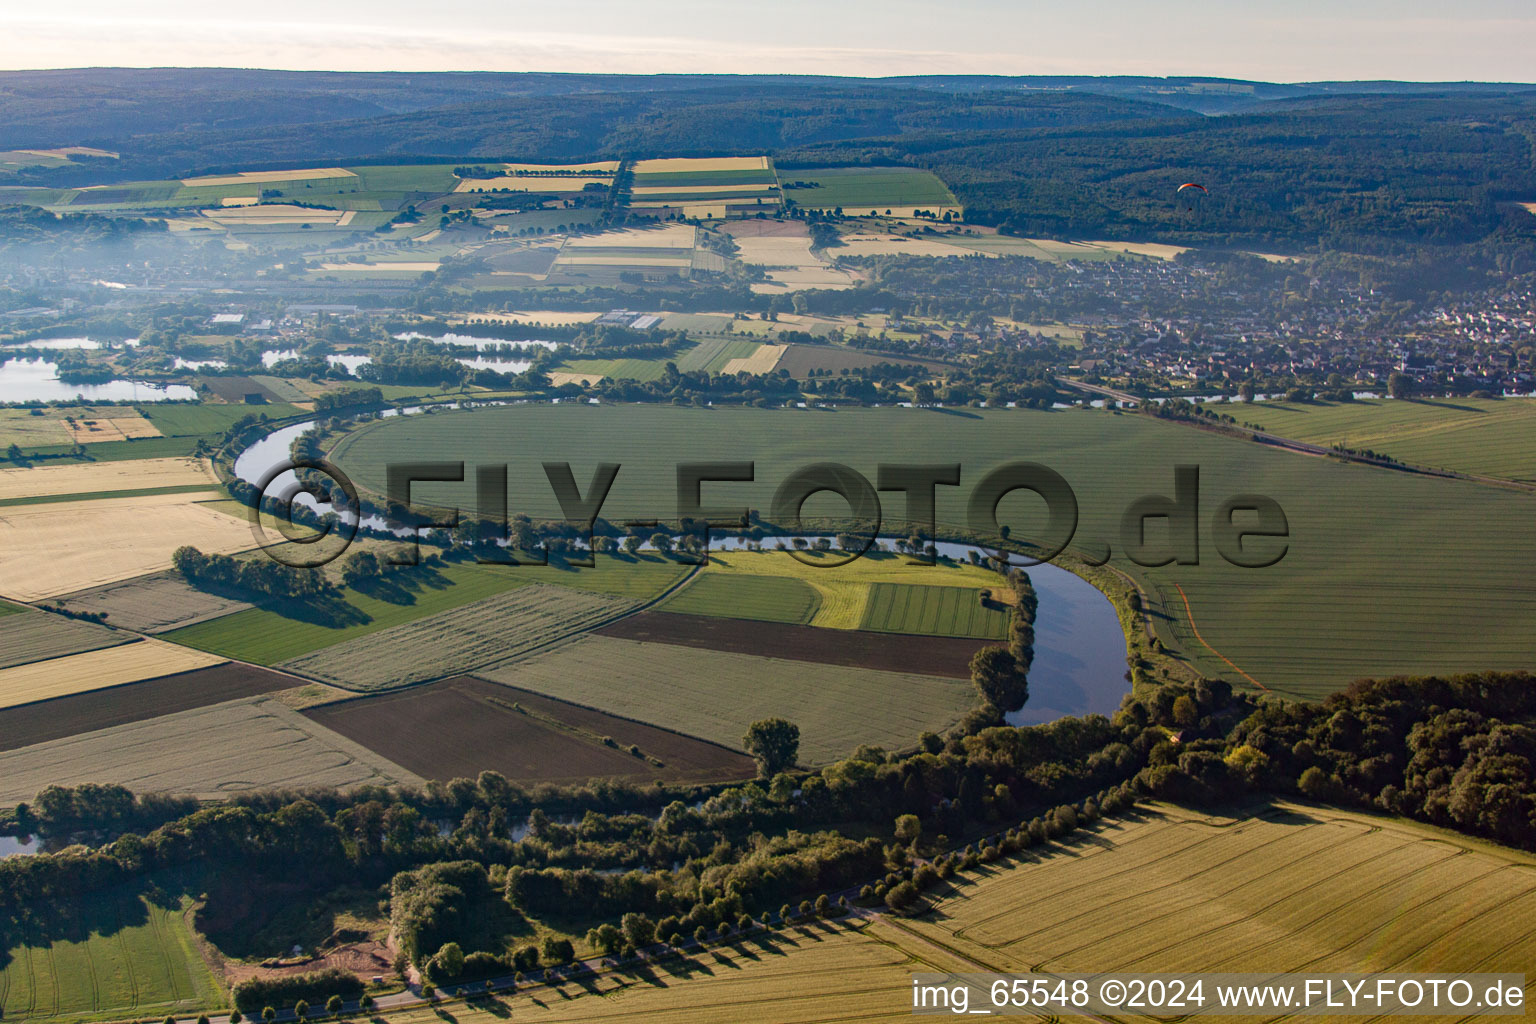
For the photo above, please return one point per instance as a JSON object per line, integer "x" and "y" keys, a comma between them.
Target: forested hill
{"x": 1374, "y": 167}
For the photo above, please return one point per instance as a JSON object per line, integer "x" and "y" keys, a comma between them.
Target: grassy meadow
{"x": 270, "y": 634}
{"x": 124, "y": 956}
{"x": 715, "y": 695}
{"x": 1485, "y": 437}
{"x": 1383, "y": 572}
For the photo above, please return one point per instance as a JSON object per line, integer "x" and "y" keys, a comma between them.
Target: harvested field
{"x": 703, "y": 165}
{"x": 53, "y": 719}
{"x": 891, "y": 652}
{"x": 1283, "y": 888}
{"x": 777, "y": 251}
{"x": 700, "y": 191}
{"x": 762, "y": 362}
{"x": 668, "y": 236}
{"x": 96, "y": 670}
{"x": 896, "y": 245}
{"x": 209, "y": 753}
{"x": 80, "y": 478}
{"x": 38, "y": 636}
{"x": 272, "y": 213}
{"x": 932, "y": 611}
{"x": 598, "y": 167}
{"x": 59, "y": 548}
{"x": 89, "y": 426}
{"x": 800, "y": 278}
{"x": 740, "y": 596}
{"x": 527, "y": 737}
{"x": 716, "y": 695}
{"x": 464, "y": 638}
{"x": 257, "y": 177}
{"x": 560, "y": 378}
{"x": 1156, "y": 250}
{"x": 529, "y": 183}
{"x": 828, "y": 971}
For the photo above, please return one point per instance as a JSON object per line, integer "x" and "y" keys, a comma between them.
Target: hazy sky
{"x": 1292, "y": 41}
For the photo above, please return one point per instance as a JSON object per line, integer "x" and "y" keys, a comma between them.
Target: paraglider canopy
{"x": 1191, "y": 193}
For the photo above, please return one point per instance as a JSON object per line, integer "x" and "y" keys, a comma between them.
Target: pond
{"x": 37, "y": 380}
{"x": 482, "y": 343}
{"x": 15, "y": 846}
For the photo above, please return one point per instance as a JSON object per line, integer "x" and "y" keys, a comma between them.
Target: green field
{"x": 932, "y": 611}
{"x": 132, "y": 492}
{"x": 267, "y": 635}
{"x": 715, "y": 695}
{"x": 123, "y": 956}
{"x": 1384, "y": 573}
{"x": 459, "y": 639}
{"x": 741, "y": 596}
{"x": 1469, "y": 435}
{"x": 858, "y": 189}
{"x": 683, "y": 179}
{"x": 191, "y": 420}
{"x": 615, "y": 369}
{"x": 711, "y": 354}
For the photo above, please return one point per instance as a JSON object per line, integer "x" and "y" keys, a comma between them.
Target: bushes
{"x": 318, "y": 986}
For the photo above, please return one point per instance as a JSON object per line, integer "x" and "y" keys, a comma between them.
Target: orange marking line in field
{"x": 1208, "y": 647}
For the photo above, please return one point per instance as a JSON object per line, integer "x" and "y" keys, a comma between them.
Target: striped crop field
{"x": 934, "y": 611}
{"x": 1470, "y": 435}
{"x": 1282, "y": 888}
{"x": 139, "y": 958}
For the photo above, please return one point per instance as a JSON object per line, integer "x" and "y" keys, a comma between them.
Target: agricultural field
{"x": 713, "y": 355}
{"x": 715, "y": 695}
{"x": 208, "y": 752}
{"x": 852, "y": 648}
{"x": 37, "y": 636}
{"x": 58, "y": 717}
{"x": 811, "y": 974}
{"x": 872, "y": 190}
{"x": 463, "y": 638}
{"x": 1443, "y": 585}
{"x": 1284, "y": 888}
{"x": 95, "y": 670}
{"x": 274, "y": 633}
{"x": 128, "y": 955}
{"x": 709, "y": 187}
{"x": 1468, "y": 435}
{"x": 527, "y": 737}
{"x": 84, "y": 478}
{"x": 743, "y": 596}
{"x": 932, "y": 611}
{"x": 843, "y": 591}
{"x": 58, "y": 548}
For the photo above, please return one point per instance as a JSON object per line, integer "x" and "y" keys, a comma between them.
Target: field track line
{"x": 1223, "y": 657}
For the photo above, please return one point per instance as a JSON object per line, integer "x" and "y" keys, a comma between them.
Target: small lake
{"x": 37, "y": 380}
{"x": 16, "y": 846}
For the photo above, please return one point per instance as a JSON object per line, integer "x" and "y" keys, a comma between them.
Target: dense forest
{"x": 1373, "y": 167}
